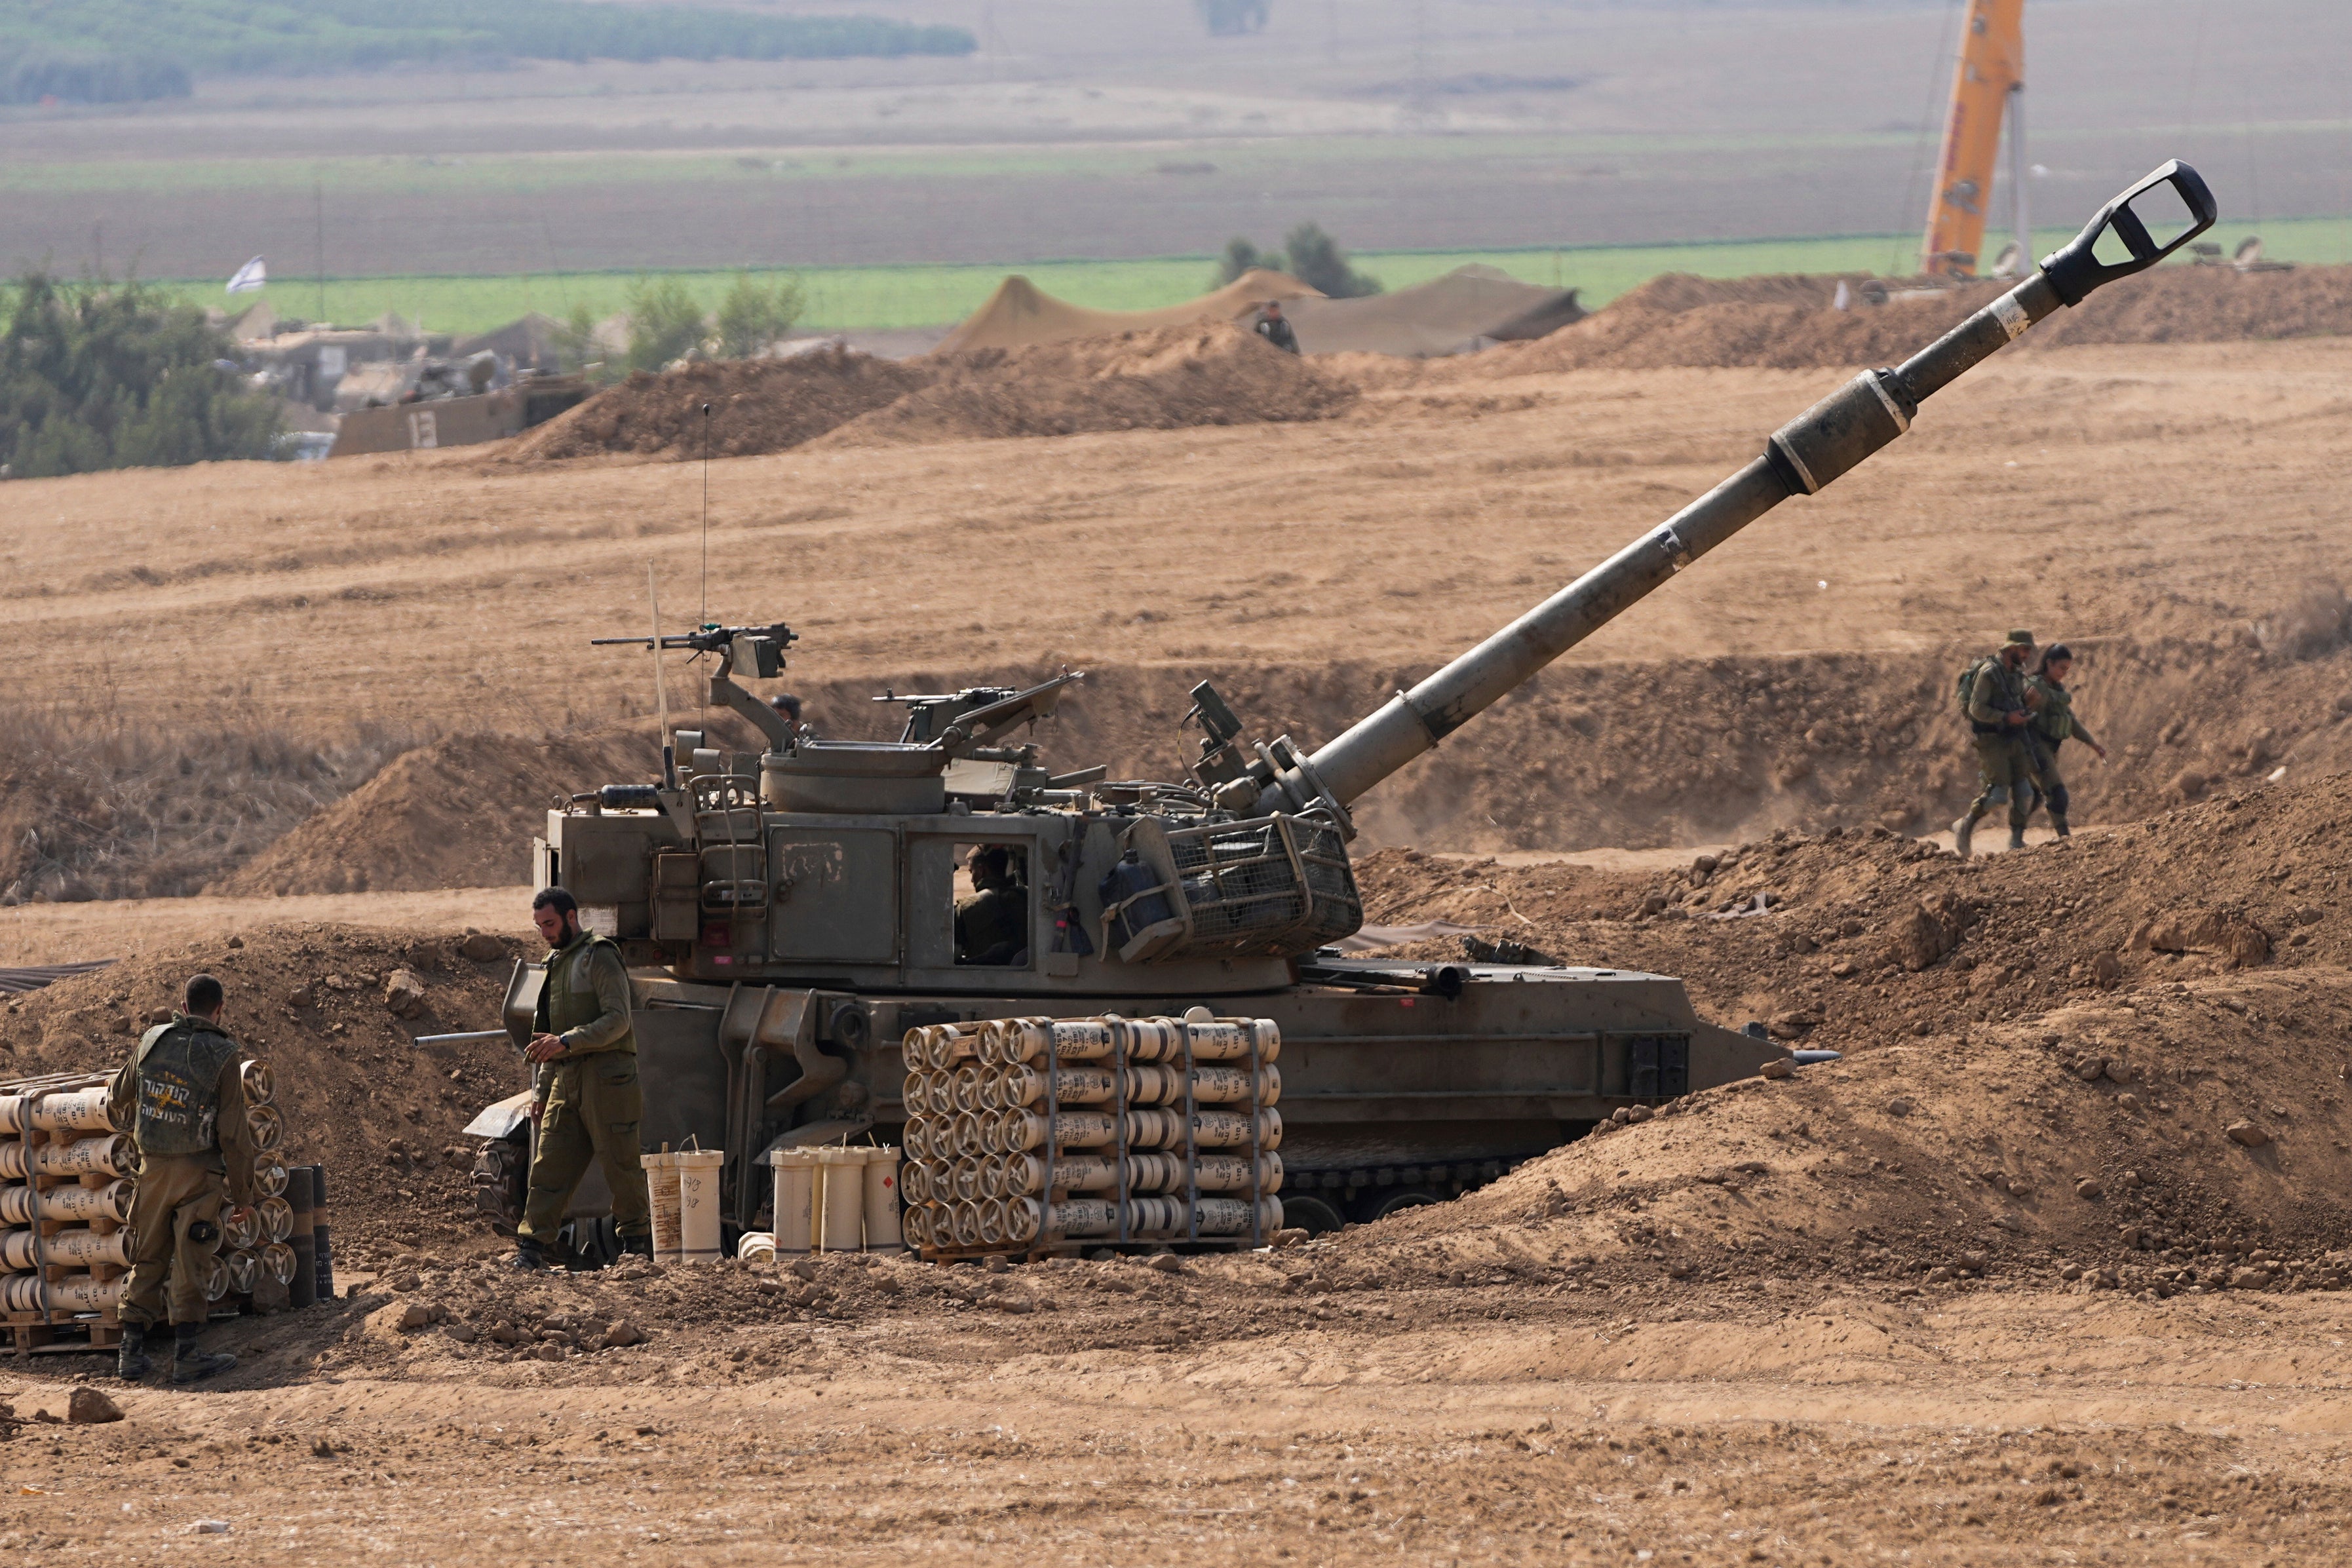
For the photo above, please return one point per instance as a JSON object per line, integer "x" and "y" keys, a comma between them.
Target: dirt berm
{"x": 1789, "y": 323}
{"x": 1164, "y": 380}
{"x": 385, "y": 1116}
{"x": 1679, "y": 752}
{"x": 459, "y": 812}
{"x": 2126, "y": 1053}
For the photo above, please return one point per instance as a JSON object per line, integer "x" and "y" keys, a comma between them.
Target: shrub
{"x": 1317, "y": 261}
{"x": 1240, "y": 257}
{"x": 754, "y": 315}
{"x": 664, "y": 323}
{"x": 95, "y": 374}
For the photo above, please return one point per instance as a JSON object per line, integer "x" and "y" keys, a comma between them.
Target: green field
{"x": 870, "y": 299}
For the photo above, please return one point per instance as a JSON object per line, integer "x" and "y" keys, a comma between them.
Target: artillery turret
{"x": 798, "y": 910}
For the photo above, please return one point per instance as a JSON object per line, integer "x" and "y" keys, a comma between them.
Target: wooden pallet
{"x": 31, "y": 1334}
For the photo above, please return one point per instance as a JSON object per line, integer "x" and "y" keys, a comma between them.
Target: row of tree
{"x": 99, "y": 374}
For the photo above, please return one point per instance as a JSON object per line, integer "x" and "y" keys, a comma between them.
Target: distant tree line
{"x": 97, "y": 374}
{"x": 1308, "y": 254}
{"x": 274, "y": 35}
{"x": 89, "y": 78}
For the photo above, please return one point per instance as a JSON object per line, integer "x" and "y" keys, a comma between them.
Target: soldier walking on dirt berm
{"x": 587, "y": 1101}
{"x": 1993, "y": 695}
{"x": 2053, "y": 724}
{"x": 184, "y": 1099}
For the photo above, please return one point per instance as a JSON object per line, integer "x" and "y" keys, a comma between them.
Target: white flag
{"x": 251, "y": 278}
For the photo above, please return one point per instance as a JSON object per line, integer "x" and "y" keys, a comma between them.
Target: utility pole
{"x": 318, "y": 201}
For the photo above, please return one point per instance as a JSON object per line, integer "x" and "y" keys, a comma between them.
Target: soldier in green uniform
{"x": 1999, "y": 707}
{"x": 184, "y": 1101}
{"x": 2054, "y": 724}
{"x": 587, "y": 1102}
{"x": 992, "y": 923}
{"x": 1276, "y": 328}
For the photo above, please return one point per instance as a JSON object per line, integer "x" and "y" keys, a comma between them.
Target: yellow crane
{"x": 1989, "y": 81}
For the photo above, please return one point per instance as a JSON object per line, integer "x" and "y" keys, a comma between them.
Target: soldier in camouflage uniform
{"x": 1999, "y": 707}
{"x": 587, "y": 1102}
{"x": 184, "y": 1103}
{"x": 991, "y": 923}
{"x": 2052, "y": 725}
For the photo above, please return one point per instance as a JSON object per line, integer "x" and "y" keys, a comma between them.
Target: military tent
{"x": 1464, "y": 310}
{"x": 1020, "y": 315}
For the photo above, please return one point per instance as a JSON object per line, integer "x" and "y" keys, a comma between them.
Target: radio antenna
{"x": 705, "y": 514}
{"x": 661, "y": 688}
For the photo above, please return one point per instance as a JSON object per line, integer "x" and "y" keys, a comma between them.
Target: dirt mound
{"x": 384, "y": 1117}
{"x": 756, "y": 405}
{"x": 2158, "y": 1012}
{"x": 1203, "y": 373}
{"x": 1789, "y": 323}
{"x": 1674, "y": 752}
{"x": 95, "y": 807}
{"x": 460, "y": 813}
{"x": 1213, "y": 374}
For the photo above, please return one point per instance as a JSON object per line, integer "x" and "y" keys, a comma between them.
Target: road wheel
{"x": 1315, "y": 1216}
{"x": 1379, "y": 1205}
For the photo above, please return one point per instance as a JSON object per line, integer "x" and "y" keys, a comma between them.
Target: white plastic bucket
{"x": 697, "y": 1205}
{"x": 795, "y": 1204}
{"x": 841, "y": 1199}
{"x": 882, "y": 1210}
{"x": 661, "y": 1186}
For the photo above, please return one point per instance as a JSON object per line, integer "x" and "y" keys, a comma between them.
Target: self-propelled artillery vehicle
{"x": 793, "y": 913}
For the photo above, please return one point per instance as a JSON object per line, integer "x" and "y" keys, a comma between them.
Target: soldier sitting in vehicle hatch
{"x": 992, "y": 922}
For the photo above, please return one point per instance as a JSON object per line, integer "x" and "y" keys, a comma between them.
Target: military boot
{"x": 638, "y": 1246}
{"x": 189, "y": 1364}
{"x": 2017, "y": 838}
{"x": 527, "y": 1256}
{"x": 132, "y": 1361}
{"x": 2058, "y": 825}
{"x": 1962, "y": 832}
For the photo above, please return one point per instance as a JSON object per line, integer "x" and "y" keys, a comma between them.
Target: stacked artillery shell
{"x": 65, "y": 1202}
{"x": 1023, "y": 1133}
{"x": 255, "y": 1248}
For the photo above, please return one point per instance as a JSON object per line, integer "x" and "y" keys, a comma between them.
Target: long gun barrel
{"x": 2132, "y": 233}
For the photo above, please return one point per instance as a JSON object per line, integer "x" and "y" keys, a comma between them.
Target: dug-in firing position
{"x": 2053, "y": 725}
{"x": 181, "y": 1090}
{"x": 587, "y": 1101}
{"x": 1999, "y": 705}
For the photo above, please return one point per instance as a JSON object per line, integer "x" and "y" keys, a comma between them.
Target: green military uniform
{"x": 2004, "y": 766}
{"x": 186, "y": 1105}
{"x": 991, "y": 926}
{"x": 2052, "y": 725}
{"x": 590, "y": 1100}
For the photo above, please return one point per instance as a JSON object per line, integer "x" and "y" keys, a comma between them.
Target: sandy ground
{"x": 1775, "y": 1424}
{"x": 69, "y": 932}
{"x": 2076, "y": 491}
